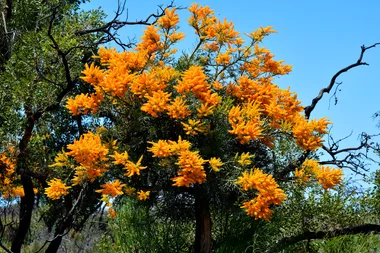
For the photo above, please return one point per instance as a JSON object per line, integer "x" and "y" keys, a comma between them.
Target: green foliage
{"x": 136, "y": 228}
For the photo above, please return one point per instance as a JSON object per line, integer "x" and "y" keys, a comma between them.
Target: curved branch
{"x": 360, "y": 229}
{"x": 359, "y": 62}
{"x": 116, "y": 24}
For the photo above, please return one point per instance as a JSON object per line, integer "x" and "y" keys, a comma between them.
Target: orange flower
{"x": 56, "y": 189}
{"x": 14, "y": 192}
{"x": 169, "y": 20}
{"x": 192, "y": 170}
{"x": 245, "y": 122}
{"x": 130, "y": 191}
{"x": 134, "y": 168}
{"x": 156, "y": 103}
{"x": 326, "y": 176}
{"x": 92, "y": 74}
{"x": 205, "y": 110}
{"x": 120, "y": 158}
{"x": 257, "y": 209}
{"x": 301, "y": 175}
{"x": 329, "y": 177}
{"x": 194, "y": 127}
{"x": 112, "y": 188}
{"x": 143, "y": 195}
{"x": 269, "y": 193}
{"x": 245, "y": 159}
{"x": 223, "y": 59}
{"x": 193, "y": 80}
{"x": 111, "y": 213}
{"x": 309, "y": 134}
{"x": 61, "y": 160}
{"x": 83, "y": 104}
{"x": 215, "y": 163}
{"x": 88, "y": 150}
{"x": 260, "y": 33}
{"x": 179, "y": 146}
{"x": 178, "y": 109}
{"x": 150, "y": 41}
{"x": 161, "y": 149}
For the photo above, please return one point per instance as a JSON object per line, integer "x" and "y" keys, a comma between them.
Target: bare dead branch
{"x": 360, "y": 229}
{"x": 111, "y": 28}
{"x": 357, "y": 158}
{"x": 359, "y": 62}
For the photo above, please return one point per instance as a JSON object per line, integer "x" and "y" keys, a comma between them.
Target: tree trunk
{"x": 26, "y": 208}
{"x": 203, "y": 222}
{"x": 54, "y": 245}
{"x": 62, "y": 226}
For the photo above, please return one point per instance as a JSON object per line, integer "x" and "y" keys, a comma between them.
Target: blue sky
{"x": 317, "y": 38}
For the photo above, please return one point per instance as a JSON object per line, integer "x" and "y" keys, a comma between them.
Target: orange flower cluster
{"x": 209, "y": 28}
{"x": 165, "y": 148}
{"x": 326, "y": 176}
{"x": 309, "y": 134}
{"x": 150, "y": 41}
{"x": 156, "y": 79}
{"x": 91, "y": 154}
{"x": 131, "y": 167}
{"x": 245, "y": 122}
{"x": 215, "y": 163}
{"x": 157, "y": 102}
{"x": 92, "y": 74}
{"x": 194, "y": 80}
{"x": 169, "y": 20}
{"x": 261, "y": 32}
{"x": 8, "y": 177}
{"x": 9, "y": 191}
{"x": 245, "y": 158}
{"x": 178, "y": 109}
{"x": 190, "y": 163}
{"x": 192, "y": 170}
{"x": 268, "y": 193}
{"x": 56, "y": 189}
{"x": 8, "y": 163}
{"x": 193, "y": 127}
{"x": 112, "y": 188}
{"x": 111, "y": 213}
{"x": 83, "y": 104}
{"x": 281, "y": 110}
{"x": 120, "y": 158}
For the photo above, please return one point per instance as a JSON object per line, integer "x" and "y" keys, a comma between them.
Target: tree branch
{"x": 353, "y": 156}
{"x": 359, "y": 62}
{"x": 360, "y": 229}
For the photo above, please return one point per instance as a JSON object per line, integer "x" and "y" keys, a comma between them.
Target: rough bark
{"x": 26, "y": 208}
{"x": 203, "y": 241}
{"x": 27, "y": 202}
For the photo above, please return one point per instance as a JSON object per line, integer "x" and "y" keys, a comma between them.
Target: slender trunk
{"x": 54, "y": 245}
{"x": 26, "y": 208}
{"x": 61, "y": 226}
{"x": 27, "y": 202}
{"x": 203, "y": 222}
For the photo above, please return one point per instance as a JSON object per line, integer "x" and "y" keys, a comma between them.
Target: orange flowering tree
{"x": 202, "y": 126}
{"x": 40, "y": 64}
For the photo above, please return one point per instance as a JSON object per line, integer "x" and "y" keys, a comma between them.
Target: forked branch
{"x": 359, "y": 62}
